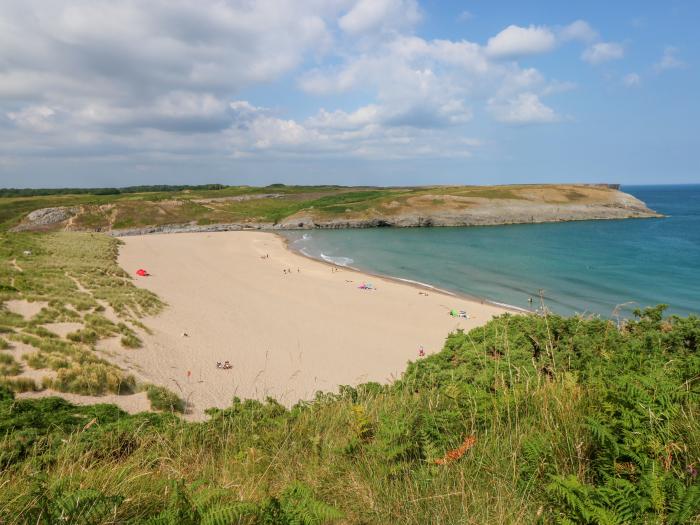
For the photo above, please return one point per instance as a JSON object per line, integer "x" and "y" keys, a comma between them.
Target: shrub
{"x": 87, "y": 336}
{"x": 8, "y": 366}
{"x": 19, "y": 384}
{"x": 92, "y": 379}
{"x": 163, "y": 399}
{"x": 131, "y": 341}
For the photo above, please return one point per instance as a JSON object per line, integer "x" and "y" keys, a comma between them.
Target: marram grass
{"x": 76, "y": 278}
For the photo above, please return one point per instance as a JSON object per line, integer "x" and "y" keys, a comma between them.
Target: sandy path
{"x": 133, "y": 404}
{"x": 286, "y": 335}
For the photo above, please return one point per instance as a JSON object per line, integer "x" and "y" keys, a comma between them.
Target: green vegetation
{"x": 8, "y": 366}
{"x": 163, "y": 399}
{"x": 142, "y": 206}
{"x": 75, "y": 277}
{"x": 525, "y": 420}
{"x": 19, "y": 384}
{"x": 36, "y": 192}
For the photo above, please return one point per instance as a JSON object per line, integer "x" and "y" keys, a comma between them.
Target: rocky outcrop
{"x": 46, "y": 218}
{"x": 192, "y": 227}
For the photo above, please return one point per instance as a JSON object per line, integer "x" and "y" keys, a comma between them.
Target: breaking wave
{"x": 340, "y": 261}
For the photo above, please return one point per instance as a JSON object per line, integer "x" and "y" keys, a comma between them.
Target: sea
{"x": 607, "y": 268}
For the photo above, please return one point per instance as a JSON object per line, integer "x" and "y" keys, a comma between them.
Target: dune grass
{"x": 78, "y": 279}
{"x": 525, "y": 420}
{"x": 164, "y": 400}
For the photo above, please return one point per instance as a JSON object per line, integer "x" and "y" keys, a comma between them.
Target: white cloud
{"x": 515, "y": 41}
{"x": 525, "y": 108}
{"x": 435, "y": 83}
{"x": 603, "y": 52}
{"x": 669, "y": 60}
{"x": 34, "y": 118}
{"x": 557, "y": 86}
{"x": 161, "y": 79}
{"x": 362, "y": 134}
{"x": 579, "y": 30}
{"x": 97, "y": 76}
{"x": 369, "y": 15}
{"x": 632, "y": 80}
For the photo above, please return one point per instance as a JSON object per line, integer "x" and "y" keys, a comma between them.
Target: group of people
{"x": 266, "y": 256}
{"x": 289, "y": 270}
{"x": 225, "y": 366}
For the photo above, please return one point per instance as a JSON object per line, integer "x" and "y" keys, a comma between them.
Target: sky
{"x": 371, "y": 92}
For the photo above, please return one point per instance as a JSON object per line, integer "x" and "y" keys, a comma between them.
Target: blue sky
{"x": 120, "y": 92}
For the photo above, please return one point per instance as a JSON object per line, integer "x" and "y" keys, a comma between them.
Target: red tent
{"x": 142, "y": 272}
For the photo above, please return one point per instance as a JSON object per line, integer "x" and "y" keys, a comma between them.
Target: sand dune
{"x": 287, "y": 335}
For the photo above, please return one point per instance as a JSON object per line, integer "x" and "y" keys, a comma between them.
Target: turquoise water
{"x": 585, "y": 267}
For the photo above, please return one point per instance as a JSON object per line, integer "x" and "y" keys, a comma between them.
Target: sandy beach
{"x": 289, "y": 325}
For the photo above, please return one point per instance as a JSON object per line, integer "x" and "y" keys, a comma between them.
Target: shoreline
{"x": 268, "y": 227}
{"x": 409, "y": 282}
{"x": 290, "y": 325}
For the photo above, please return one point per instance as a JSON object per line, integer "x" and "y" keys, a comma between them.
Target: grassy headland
{"x": 317, "y": 206}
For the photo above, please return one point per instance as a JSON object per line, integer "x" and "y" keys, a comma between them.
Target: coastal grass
{"x": 163, "y": 399}
{"x": 528, "y": 419}
{"x": 73, "y": 278}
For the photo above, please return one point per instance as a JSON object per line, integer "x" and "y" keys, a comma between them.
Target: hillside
{"x": 291, "y": 207}
{"x": 525, "y": 420}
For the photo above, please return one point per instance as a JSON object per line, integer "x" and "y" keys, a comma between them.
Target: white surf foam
{"x": 340, "y": 261}
{"x": 426, "y": 285}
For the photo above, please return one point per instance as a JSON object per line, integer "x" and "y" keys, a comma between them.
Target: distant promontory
{"x": 281, "y": 207}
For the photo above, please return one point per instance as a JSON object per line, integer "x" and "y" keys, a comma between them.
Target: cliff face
{"x": 350, "y": 208}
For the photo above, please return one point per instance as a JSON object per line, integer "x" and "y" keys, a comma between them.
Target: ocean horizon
{"x": 603, "y": 267}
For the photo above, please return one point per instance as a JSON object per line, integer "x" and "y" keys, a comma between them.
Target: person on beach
{"x": 421, "y": 352}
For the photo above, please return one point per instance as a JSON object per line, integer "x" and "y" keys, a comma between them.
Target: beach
{"x": 288, "y": 325}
